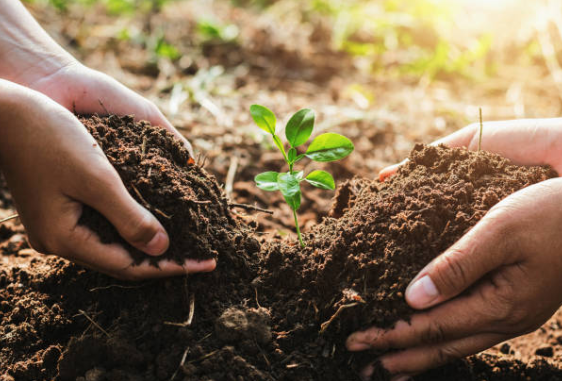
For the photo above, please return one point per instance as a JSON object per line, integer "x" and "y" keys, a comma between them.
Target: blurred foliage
{"x": 404, "y": 37}
{"x": 211, "y": 30}
{"x": 114, "y": 7}
{"x": 391, "y": 37}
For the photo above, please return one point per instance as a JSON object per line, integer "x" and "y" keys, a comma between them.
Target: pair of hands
{"x": 501, "y": 280}
{"x": 53, "y": 167}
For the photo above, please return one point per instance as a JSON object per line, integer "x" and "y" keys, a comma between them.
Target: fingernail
{"x": 422, "y": 293}
{"x": 157, "y": 245}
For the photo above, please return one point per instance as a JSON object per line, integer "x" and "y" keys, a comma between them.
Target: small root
{"x": 183, "y": 358}
{"x": 231, "y": 174}
{"x": 204, "y": 357}
{"x": 156, "y": 210}
{"x": 206, "y": 202}
{"x": 191, "y": 313}
{"x": 9, "y": 218}
{"x": 250, "y": 207}
{"x": 115, "y": 286}
{"x": 146, "y": 204}
{"x": 324, "y": 326}
{"x": 93, "y": 322}
{"x": 143, "y": 147}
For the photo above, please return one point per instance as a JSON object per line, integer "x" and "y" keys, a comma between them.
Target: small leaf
{"x": 292, "y": 155}
{"x": 264, "y": 118}
{"x": 321, "y": 179}
{"x": 299, "y": 157}
{"x": 267, "y": 181}
{"x": 299, "y": 175}
{"x": 289, "y": 185}
{"x": 329, "y": 147}
{"x": 299, "y": 128}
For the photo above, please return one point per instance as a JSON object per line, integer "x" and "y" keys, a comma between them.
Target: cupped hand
{"x": 86, "y": 91}
{"x": 501, "y": 280}
{"x": 53, "y": 166}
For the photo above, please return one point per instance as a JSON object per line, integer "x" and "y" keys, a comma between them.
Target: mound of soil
{"x": 260, "y": 315}
{"x": 159, "y": 173}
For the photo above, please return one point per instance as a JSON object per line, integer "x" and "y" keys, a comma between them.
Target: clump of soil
{"x": 159, "y": 173}
{"x": 357, "y": 264}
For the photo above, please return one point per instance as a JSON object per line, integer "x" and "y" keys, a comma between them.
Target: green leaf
{"x": 264, "y": 118}
{"x": 289, "y": 186}
{"x": 299, "y": 128}
{"x": 292, "y": 155}
{"x": 321, "y": 179}
{"x": 329, "y": 147}
{"x": 267, "y": 181}
{"x": 299, "y": 157}
{"x": 299, "y": 175}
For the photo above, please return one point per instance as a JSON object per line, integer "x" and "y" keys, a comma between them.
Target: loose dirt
{"x": 269, "y": 314}
{"x": 160, "y": 174}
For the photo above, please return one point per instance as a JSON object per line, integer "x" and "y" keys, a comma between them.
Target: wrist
{"x": 28, "y": 52}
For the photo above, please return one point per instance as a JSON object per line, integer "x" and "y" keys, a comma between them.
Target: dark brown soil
{"x": 363, "y": 261}
{"x": 160, "y": 174}
{"x": 258, "y": 316}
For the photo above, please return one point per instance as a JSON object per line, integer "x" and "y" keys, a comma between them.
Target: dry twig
{"x": 249, "y": 207}
{"x": 324, "y": 326}
{"x": 9, "y": 218}
{"x": 93, "y": 322}
{"x": 229, "y": 183}
{"x": 183, "y": 358}
{"x": 187, "y": 323}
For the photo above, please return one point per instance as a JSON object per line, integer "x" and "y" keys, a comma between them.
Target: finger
{"x": 485, "y": 247}
{"x": 525, "y": 141}
{"x": 103, "y": 190}
{"x": 85, "y": 248}
{"x": 420, "y": 359}
{"x": 458, "y": 318}
{"x": 166, "y": 268}
{"x": 103, "y": 94}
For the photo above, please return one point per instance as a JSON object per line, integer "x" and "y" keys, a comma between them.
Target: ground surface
{"x": 44, "y": 300}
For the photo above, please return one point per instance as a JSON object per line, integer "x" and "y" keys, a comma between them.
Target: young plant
{"x": 324, "y": 148}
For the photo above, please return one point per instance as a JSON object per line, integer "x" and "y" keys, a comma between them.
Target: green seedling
{"x": 324, "y": 148}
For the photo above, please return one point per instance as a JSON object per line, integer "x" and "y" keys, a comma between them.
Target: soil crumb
{"x": 159, "y": 173}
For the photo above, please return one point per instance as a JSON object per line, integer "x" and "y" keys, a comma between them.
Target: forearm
{"x": 28, "y": 52}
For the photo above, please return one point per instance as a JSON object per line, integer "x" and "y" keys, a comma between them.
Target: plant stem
{"x": 298, "y": 228}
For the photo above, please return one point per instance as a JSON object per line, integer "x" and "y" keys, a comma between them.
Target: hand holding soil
{"x": 501, "y": 280}
{"x": 53, "y": 166}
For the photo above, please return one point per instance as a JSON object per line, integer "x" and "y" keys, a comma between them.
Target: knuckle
{"x": 140, "y": 229}
{"x": 449, "y": 272}
{"x": 444, "y": 355}
{"x": 434, "y": 333}
{"x": 45, "y": 243}
{"x": 36, "y": 244}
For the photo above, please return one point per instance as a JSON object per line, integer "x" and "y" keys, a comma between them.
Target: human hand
{"x": 501, "y": 280}
{"x": 53, "y": 167}
{"x": 86, "y": 91}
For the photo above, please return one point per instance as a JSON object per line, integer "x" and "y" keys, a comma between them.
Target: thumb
{"x": 478, "y": 252}
{"x": 133, "y": 222}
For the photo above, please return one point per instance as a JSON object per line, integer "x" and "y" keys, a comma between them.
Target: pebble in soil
{"x": 159, "y": 173}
